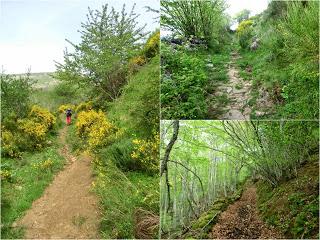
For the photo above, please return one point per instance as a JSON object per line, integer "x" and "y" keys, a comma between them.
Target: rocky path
{"x": 67, "y": 209}
{"x": 242, "y": 221}
{"x": 238, "y": 92}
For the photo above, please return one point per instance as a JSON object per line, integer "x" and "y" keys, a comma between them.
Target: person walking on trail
{"x": 68, "y": 114}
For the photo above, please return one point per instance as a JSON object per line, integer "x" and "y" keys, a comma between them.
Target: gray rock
{"x": 259, "y": 114}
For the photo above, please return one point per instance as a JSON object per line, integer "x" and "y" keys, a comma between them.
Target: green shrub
{"x": 15, "y": 95}
{"x": 245, "y": 33}
{"x": 122, "y": 194}
{"x": 197, "y": 19}
{"x": 119, "y": 153}
{"x": 183, "y": 81}
{"x": 152, "y": 46}
{"x": 65, "y": 90}
{"x": 137, "y": 109}
{"x": 300, "y": 33}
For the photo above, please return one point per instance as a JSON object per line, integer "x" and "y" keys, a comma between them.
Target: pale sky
{"x": 33, "y": 32}
{"x": 235, "y": 6}
{"x": 255, "y": 7}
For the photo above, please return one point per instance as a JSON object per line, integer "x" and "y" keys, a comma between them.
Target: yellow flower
{"x": 95, "y": 129}
{"x": 63, "y": 108}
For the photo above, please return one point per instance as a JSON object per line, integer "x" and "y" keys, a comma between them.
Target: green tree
{"x": 242, "y": 15}
{"x": 108, "y": 40}
{"x": 15, "y": 95}
{"x": 201, "y": 19}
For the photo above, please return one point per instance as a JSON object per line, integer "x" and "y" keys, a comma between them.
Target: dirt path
{"x": 67, "y": 208}
{"x": 242, "y": 221}
{"x": 238, "y": 92}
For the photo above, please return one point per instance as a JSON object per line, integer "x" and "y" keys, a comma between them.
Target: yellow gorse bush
{"x": 95, "y": 129}
{"x": 33, "y": 129}
{"x": 37, "y": 125}
{"x": 138, "y": 60}
{"x": 63, "y": 108}
{"x": 84, "y": 106}
{"x": 29, "y": 133}
{"x": 44, "y": 165}
{"x": 151, "y": 47}
{"x": 43, "y": 116}
{"x": 244, "y": 26}
{"x": 146, "y": 152}
{"x": 5, "y": 174}
{"x": 8, "y": 144}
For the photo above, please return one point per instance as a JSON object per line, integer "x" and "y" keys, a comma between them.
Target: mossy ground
{"x": 201, "y": 227}
{"x": 293, "y": 206}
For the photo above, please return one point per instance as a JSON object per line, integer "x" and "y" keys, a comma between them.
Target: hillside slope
{"x": 293, "y": 206}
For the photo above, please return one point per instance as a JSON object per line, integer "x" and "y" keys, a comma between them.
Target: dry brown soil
{"x": 242, "y": 221}
{"x": 68, "y": 208}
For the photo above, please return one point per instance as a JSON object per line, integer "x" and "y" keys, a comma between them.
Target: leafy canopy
{"x": 108, "y": 40}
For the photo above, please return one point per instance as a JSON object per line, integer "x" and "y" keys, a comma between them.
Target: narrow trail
{"x": 242, "y": 221}
{"x": 67, "y": 209}
{"x": 238, "y": 92}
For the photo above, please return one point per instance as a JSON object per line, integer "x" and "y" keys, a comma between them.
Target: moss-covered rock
{"x": 201, "y": 227}
{"x": 206, "y": 219}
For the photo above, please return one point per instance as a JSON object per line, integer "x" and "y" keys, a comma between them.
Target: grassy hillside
{"x": 134, "y": 191}
{"x": 43, "y": 80}
{"x": 293, "y": 206}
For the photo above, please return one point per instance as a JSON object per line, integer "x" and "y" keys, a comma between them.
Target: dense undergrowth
{"x": 188, "y": 81}
{"x": 284, "y": 65}
{"x": 119, "y": 127}
{"x": 115, "y": 118}
{"x": 293, "y": 206}
{"x": 278, "y": 54}
{"x": 125, "y": 160}
{"x": 193, "y": 58}
{"x": 23, "y": 180}
{"x": 210, "y": 160}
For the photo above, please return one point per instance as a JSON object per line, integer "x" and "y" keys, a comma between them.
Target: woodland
{"x": 110, "y": 82}
{"x": 267, "y": 68}
{"x": 239, "y": 179}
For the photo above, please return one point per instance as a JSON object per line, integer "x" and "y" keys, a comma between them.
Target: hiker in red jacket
{"x": 68, "y": 114}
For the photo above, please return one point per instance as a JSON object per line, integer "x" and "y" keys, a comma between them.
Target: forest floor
{"x": 242, "y": 221}
{"x": 238, "y": 92}
{"x": 67, "y": 209}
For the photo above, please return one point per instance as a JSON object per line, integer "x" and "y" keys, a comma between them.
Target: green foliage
{"x": 200, "y": 19}
{"x": 275, "y": 10}
{"x": 152, "y": 46}
{"x": 300, "y": 32}
{"x": 274, "y": 150}
{"x": 242, "y": 15}
{"x": 198, "y": 174}
{"x": 245, "y": 33}
{"x": 119, "y": 153}
{"x": 183, "y": 79}
{"x": 286, "y": 62}
{"x": 15, "y": 96}
{"x": 27, "y": 134}
{"x": 29, "y": 177}
{"x": 109, "y": 40}
{"x": 121, "y": 195}
{"x": 65, "y": 90}
{"x": 222, "y": 154}
{"x": 137, "y": 110}
{"x": 293, "y": 206}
